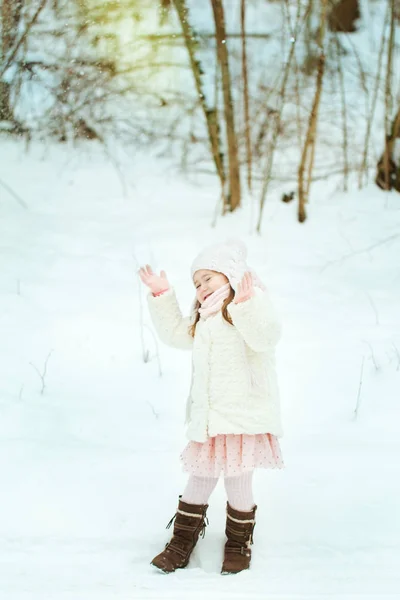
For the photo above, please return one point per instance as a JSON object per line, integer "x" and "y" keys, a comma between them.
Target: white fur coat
{"x": 234, "y": 386}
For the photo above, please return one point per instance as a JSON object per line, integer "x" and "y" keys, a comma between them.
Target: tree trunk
{"x": 246, "y": 93}
{"x": 388, "y": 173}
{"x": 299, "y": 21}
{"x": 344, "y": 114}
{"x": 210, "y": 114}
{"x": 7, "y": 59}
{"x": 370, "y": 117}
{"x": 6, "y": 20}
{"x": 343, "y": 16}
{"x": 234, "y": 195}
{"x": 309, "y": 144}
{"x": 10, "y": 13}
{"x": 10, "y": 16}
{"x": 389, "y": 138}
{"x": 6, "y": 114}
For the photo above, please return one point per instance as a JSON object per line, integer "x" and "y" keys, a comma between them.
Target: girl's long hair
{"x": 224, "y": 310}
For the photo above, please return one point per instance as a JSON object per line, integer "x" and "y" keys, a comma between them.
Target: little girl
{"x": 232, "y": 414}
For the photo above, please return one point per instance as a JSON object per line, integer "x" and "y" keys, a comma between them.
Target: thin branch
{"x": 373, "y": 308}
{"x": 278, "y": 118}
{"x": 21, "y": 202}
{"x": 370, "y": 118}
{"x": 153, "y": 410}
{"x": 358, "y": 252}
{"x": 344, "y": 114}
{"x": 397, "y": 354}
{"x": 389, "y": 98}
{"x": 359, "y": 389}
{"x": 22, "y": 38}
{"x": 234, "y": 194}
{"x": 157, "y": 37}
{"x": 145, "y": 352}
{"x": 310, "y": 141}
{"x": 246, "y": 92}
{"x": 157, "y": 349}
{"x": 210, "y": 114}
{"x": 117, "y": 168}
{"x": 372, "y": 355}
{"x": 42, "y": 375}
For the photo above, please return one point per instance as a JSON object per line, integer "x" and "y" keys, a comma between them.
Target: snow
{"x": 90, "y": 467}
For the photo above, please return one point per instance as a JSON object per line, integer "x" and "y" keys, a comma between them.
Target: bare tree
{"x": 370, "y": 117}
{"x": 71, "y": 54}
{"x": 386, "y": 162}
{"x": 388, "y": 175}
{"x": 246, "y": 92}
{"x": 234, "y": 194}
{"x": 10, "y": 16}
{"x": 17, "y": 20}
{"x": 278, "y": 116}
{"x": 210, "y": 113}
{"x": 344, "y": 113}
{"x": 309, "y": 144}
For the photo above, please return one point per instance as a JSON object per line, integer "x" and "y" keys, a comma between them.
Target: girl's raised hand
{"x": 245, "y": 289}
{"x": 156, "y": 283}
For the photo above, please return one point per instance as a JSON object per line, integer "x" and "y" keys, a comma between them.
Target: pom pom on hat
{"x": 238, "y": 246}
{"x": 228, "y": 258}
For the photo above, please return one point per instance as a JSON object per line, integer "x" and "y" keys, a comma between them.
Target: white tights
{"x": 238, "y": 489}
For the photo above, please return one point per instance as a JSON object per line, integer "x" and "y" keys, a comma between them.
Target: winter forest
{"x": 136, "y": 132}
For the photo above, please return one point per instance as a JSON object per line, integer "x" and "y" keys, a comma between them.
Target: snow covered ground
{"x": 89, "y": 463}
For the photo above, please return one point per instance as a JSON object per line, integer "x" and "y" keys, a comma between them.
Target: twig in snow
{"x": 117, "y": 168}
{"x": 145, "y": 351}
{"x": 373, "y": 308}
{"x": 398, "y": 355}
{"x": 359, "y": 389}
{"x": 351, "y": 254}
{"x": 377, "y": 367}
{"x": 14, "y": 195}
{"x": 155, "y": 413}
{"x": 219, "y": 204}
{"x": 42, "y": 375}
{"x": 20, "y": 393}
{"x": 157, "y": 350}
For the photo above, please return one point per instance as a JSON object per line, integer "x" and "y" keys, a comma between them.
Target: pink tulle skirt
{"x": 233, "y": 454}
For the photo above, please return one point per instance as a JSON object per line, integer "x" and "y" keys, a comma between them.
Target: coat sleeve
{"x": 257, "y": 321}
{"x": 167, "y": 318}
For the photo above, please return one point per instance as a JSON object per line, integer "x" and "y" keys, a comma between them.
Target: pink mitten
{"x": 245, "y": 289}
{"x": 158, "y": 284}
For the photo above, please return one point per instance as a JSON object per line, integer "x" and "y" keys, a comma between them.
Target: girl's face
{"x": 206, "y": 282}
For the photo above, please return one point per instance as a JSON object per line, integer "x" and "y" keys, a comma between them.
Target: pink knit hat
{"x": 228, "y": 258}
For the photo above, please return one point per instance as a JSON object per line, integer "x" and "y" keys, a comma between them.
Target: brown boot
{"x": 239, "y": 531}
{"x": 190, "y": 522}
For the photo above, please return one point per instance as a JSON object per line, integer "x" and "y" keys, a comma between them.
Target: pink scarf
{"x": 214, "y": 303}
